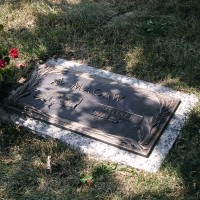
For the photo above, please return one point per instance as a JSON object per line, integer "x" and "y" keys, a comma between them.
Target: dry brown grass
{"x": 155, "y": 40}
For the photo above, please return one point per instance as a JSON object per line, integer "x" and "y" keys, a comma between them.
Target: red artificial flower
{"x": 2, "y": 63}
{"x": 14, "y": 52}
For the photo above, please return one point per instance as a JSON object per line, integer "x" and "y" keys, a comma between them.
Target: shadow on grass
{"x": 24, "y": 174}
{"x": 154, "y": 41}
{"x": 185, "y": 156}
{"x": 151, "y": 42}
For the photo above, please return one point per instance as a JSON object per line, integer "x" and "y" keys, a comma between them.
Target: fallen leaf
{"x": 90, "y": 182}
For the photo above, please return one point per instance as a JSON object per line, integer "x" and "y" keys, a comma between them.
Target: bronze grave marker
{"x": 127, "y": 117}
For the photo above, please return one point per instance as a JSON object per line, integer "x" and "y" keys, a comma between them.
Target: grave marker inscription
{"x": 117, "y": 114}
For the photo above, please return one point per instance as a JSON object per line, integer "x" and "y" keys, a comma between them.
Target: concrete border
{"x": 104, "y": 151}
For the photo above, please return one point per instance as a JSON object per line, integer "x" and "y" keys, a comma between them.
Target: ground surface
{"x": 155, "y": 40}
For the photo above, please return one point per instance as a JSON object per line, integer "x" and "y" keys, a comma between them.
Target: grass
{"x": 156, "y": 40}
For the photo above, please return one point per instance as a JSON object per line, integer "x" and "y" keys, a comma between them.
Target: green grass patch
{"x": 157, "y": 41}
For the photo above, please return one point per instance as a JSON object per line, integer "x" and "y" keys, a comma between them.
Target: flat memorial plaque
{"x": 117, "y": 114}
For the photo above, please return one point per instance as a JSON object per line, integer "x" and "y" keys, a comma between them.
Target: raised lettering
{"x": 106, "y": 94}
{"x": 117, "y": 97}
{"x": 58, "y": 82}
{"x": 87, "y": 89}
{"x": 77, "y": 86}
{"x": 97, "y": 92}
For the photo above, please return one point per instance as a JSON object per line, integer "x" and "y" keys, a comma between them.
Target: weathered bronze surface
{"x": 120, "y": 115}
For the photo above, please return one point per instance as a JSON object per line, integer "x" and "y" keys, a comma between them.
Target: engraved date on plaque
{"x": 64, "y": 100}
{"x": 115, "y": 115}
